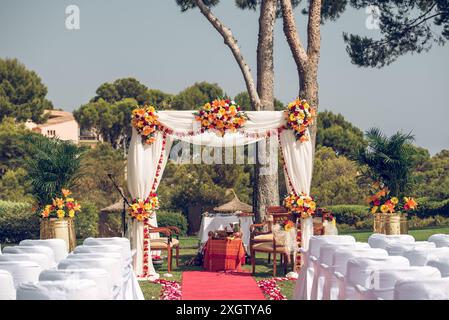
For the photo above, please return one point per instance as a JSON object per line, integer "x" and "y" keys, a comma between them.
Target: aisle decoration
{"x": 62, "y": 207}
{"x": 145, "y": 121}
{"x": 221, "y": 116}
{"x": 271, "y": 289}
{"x": 382, "y": 202}
{"x": 171, "y": 290}
{"x": 142, "y": 210}
{"x": 300, "y": 116}
{"x": 302, "y": 205}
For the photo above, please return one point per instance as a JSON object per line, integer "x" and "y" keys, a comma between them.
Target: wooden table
{"x": 224, "y": 255}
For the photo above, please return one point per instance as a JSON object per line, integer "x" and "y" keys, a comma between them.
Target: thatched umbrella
{"x": 113, "y": 208}
{"x": 235, "y": 205}
{"x": 103, "y": 226}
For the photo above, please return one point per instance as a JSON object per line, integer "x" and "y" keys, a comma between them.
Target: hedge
{"x": 86, "y": 221}
{"x": 17, "y": 222}
{"x": 429, "y": 208}
{"x": 171, "y": 218}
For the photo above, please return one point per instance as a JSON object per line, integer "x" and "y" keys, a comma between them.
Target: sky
{"x": 165, "y": 49}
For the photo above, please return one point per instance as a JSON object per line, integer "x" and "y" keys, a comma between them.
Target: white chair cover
{"x": 420, "y": 256}
{"x": 109, "y": 264}
{"x": 123, "y": 242}
{"x": 7, "y": 289}
{"x": 441, "y": 264}
{"x": 377, "y": 240}
{"x": 101, "y": 278}
{"x": 398, "y": 248}
{"x": 433, "y": 289}
{"x": 58, "y": 290}
{"x": 358, "y": 272}
{"x": 22, "y": 271}
{"x": 39, "y": 258}
{"x": 303, "y": 287}
{"x": 33, "y": 249}
{"x": 58, "y": 246}
{"x": 440, "y": 240}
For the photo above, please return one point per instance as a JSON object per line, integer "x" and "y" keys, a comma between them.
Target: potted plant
{"x": 387, "y": 162}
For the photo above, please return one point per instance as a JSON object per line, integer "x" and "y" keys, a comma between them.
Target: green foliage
{"x": 86, "y": 222}
{"x": 159, "y": 99}
{"x": 55, "y": 164}
{"x": 388, "y": 160}
{"x": 122, "y": 89}
{"x": 350, "y": 214}
{"x": 17, "y": 222}
{"x": 242, "y": 99}
{"x": 428, "y": 207}
{"x": 334, "y": 131}
{"x": 14, "y": 186}
{"x": 194, "y": 96}
{"x": 174, "y": 219}
{"x": 22, "y": 93}
{"x": 432, "y": 177}
{"x": 334, "y": 179}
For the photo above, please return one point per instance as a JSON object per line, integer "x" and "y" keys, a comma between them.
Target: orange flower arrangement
{"x": 383, "y": 202}
{"x": 299, "y": 117}
{"x": 221, "y": 116}
{"x": 61, "y": 207}
{"x": 145, "y": 121}
{"x": 302, "y": 204}
{"x": 144, "y": 209}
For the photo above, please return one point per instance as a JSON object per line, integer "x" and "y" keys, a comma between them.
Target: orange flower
{"x": 147, "y": 130}
{"x": 66, "y": 192}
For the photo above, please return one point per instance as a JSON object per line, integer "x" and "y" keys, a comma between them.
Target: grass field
{"x": 264, "y": 270}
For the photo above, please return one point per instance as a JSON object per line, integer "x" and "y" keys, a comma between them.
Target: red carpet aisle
{"x": 201, "y": 285}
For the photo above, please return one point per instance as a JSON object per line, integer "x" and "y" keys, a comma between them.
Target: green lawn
{"x": 264, "y": 270}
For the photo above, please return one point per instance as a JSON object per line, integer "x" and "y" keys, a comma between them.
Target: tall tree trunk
{"x": 266, "y": 186}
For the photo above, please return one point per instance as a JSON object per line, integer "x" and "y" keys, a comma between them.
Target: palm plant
{"x": 55, "y": 164}
{"x": 388, "y": 160}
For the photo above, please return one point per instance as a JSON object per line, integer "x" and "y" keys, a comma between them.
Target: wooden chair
{"x": 166, "y": 243}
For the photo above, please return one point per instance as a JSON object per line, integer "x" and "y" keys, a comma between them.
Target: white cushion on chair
{"x": 440, "y": 240}
{"x": 33, "y": 249}
{"x": 7, "y": 289}
{"x": 58, "y": 290}
{"x": 100, "y": 276}
{"x": 433, "y": 289}
{"x": 420, "y": 256}
{"x": 39, "y": 258}
{"x": 398, "y": 248}
{"x": 58, "y": 246}
{"x": 22, "y": 271}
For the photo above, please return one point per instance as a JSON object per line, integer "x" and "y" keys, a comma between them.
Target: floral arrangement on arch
{"x": 300, "y": 116}
{"x": 221, "y": 115}
{"x": 145, "y": 121}
{"x": 302, "y": 204}
{"x": 61, "y": 207}
{"x": 382, "y": 202}
{"x": 142, "y": 210}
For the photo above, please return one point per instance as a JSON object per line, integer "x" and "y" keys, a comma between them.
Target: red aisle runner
{"x": 202, "y": 285}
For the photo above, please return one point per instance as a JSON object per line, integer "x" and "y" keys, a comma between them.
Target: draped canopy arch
{"x": 146, "y": 163}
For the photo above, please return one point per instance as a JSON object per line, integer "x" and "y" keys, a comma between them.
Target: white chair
{"x": 398, "y": 248}
{"x": 123, "y": 242}
{"x": 58, "y": 246}
{"x": 420, "y": 256}
{"x": 358, "y": 270}
{"x": 382, "y": 281}
{"x": 377, "y": 240}
{"x": 325, "y": 260}
{"x": 58, "y": 290}
{"x": 111, "y": 265}
{"x": 440, "y": 240}
{"x": 335, "y": 274}
{"x": 100, "y": 276}
{"x": 7, "y": 289}
{"x": 303, "y": 287}
{"x": 103, "y": 249}
{"x": 22, "y": 271}
{"x": 39, "y": 258}
{"x": 441, "y": 264}
{"x": 433, "y": 289}
{"x": 33, "y": 249}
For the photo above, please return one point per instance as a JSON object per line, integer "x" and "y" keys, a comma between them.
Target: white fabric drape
{"x": 143, "y": 159}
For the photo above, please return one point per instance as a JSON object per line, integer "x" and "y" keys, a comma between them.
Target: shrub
{"x": 428, "y": 208}
{"x": 86, "y": 221}
{"x": 17, "y": 222}
{"x": 175, "y": 219}
{"x": 351, "y": 215}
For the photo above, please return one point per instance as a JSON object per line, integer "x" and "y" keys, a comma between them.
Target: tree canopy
{"x": 196, "y": 95}
{"x": 22, "y": 93}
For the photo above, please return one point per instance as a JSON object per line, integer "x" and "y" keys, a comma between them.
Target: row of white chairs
{"x": 101, "y": 268}
{"x": 339, "y": 268}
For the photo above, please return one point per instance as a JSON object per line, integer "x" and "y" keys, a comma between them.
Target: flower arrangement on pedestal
{"x": 302, "y": 205}
{"x": 145, "y": 121}
{"x": 382, "y": 202}
{"x": 61, "y": 207}
{"x": 300, "y": 116}
{"x": 142, "y": 210}
{"x": 221, "y": 116}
